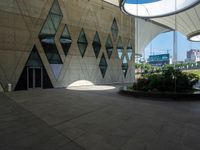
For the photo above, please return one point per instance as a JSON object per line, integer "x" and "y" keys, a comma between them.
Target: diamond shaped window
{"x": 65, "y": 40}
{"x": 129, "y": 50}
{"x": 120, "y": 48}
{"x": 56, "y": 8}
{"x": 114, "y": 29}
{"x": 48, "y": 31}
{"x": 96, "y": 44}
{"x": 103, "y": 65}
{"x": 124, "y": 66}
{"x": 82, "y": 42}
{"x": 109, "y": 46}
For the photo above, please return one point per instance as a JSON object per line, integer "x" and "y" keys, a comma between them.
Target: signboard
{"x": 159, "y": 60}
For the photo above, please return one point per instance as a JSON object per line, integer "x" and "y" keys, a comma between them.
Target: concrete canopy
{"x": 145, "y": 32}
{"x": 186, "y": 22}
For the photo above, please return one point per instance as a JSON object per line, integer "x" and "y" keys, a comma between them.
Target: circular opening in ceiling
{"x": 155, "y": 8}
{"x": 194, "y": 37}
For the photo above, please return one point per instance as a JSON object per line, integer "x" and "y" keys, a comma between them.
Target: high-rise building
{"x": 193, "y": 55}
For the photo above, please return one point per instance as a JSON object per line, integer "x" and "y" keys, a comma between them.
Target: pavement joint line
{"x": 53, "y": 127}
{"x": 35, "y": 116}
{"x": 70, "y": 140}
{"x": 147, "y": 114}
{"x": 84, "y": 114}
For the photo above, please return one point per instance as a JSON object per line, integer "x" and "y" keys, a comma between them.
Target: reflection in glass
{"x": 109, "y": 46}
{"x": 47, "y": 34}
{"x": 129, "y": 50}
{"x": 125, "y": 66}
{"x": 82, "y": 42}
{"x": 114, "y": 29}
{"x": 120, "y": 48}
{"x": 34, "y": 59}
{"x": 65, "y": 40}
{"x": 96, "y": 44}
{"x": 103, "y": 65}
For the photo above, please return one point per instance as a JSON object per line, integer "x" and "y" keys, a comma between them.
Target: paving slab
{"x": 100, "y": 120}
{"x": 20, "y": 129}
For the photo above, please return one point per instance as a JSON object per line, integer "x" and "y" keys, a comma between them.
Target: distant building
{"x": 159, "y": 60}
{"x": 193, "y": 55}
{"x": 139, "y": 59}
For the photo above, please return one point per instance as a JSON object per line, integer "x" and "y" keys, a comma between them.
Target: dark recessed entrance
{"x": 34, "y": 74}
{"x": 34, "y": 78}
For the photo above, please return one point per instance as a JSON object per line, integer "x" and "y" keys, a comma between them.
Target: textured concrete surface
{"x": 96, "y": 120}
{"x": 22, "y": 21}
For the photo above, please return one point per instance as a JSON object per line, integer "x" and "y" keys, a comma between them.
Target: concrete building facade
{"x": 58, "y": 43}
{"x": 193, "y": 55}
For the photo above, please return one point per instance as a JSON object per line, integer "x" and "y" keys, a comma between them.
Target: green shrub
{"x": 169, "y": 80}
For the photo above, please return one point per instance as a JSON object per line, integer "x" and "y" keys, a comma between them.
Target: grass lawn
{"x": 194, "y": 71}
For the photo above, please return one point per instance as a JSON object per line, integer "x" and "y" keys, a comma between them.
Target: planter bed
{"x": 163, "y": 95}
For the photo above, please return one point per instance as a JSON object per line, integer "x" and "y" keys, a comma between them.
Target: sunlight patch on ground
{"x": 81, "y": 83}
{"x": 91, "y": 88}
{"x": 85, "y": 85}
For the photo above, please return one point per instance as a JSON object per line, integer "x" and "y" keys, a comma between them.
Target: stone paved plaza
{"x": 61, "y": 119}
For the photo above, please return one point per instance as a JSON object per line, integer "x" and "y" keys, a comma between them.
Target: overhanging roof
{"x": 155, "y": 8}
{"x": 185, "y": 22}
{"x": 145, "y": 32}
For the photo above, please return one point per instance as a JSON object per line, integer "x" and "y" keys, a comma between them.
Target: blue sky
{"x": 164, "y": 42}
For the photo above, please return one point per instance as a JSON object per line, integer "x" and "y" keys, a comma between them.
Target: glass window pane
{"x": 114, "y": 29}
{"x": 109, "y": 46}
{"x": 96, "y": 44}
{"x": 82, "y": 42}
{"x": 103, "y": 65}
{"x": 65, "y": 40}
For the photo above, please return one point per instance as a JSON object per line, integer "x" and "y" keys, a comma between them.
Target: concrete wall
{"x": 22, "y": 20}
